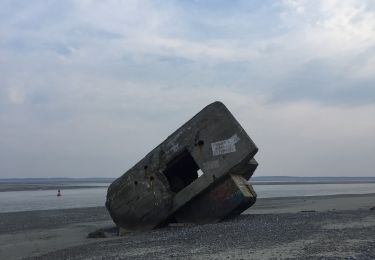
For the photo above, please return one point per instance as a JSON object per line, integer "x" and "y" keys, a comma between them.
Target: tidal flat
{"x": 320, "y": 227}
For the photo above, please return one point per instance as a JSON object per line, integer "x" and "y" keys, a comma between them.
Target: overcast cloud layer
{"x": 88, "y": 87}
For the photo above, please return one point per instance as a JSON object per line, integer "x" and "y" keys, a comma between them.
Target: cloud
{"x": 89, "y": 87}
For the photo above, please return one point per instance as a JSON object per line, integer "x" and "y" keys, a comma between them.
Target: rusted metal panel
{"x": 165, "y": 180}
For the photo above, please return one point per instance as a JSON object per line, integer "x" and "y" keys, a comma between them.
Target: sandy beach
{"x": 328, "y": 227}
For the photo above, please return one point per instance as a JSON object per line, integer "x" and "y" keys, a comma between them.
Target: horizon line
{"x": 267, "y": 176}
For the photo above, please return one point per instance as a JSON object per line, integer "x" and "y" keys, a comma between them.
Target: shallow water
{"x": 76, "y": 198}
{"x": 46, "y": 199}
{"x": 293, "y": 190}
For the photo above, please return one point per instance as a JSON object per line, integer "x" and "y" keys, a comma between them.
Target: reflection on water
{"x": 91, "y": 197}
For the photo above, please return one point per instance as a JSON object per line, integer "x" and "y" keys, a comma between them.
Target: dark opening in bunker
{"x": 181, "y": 171}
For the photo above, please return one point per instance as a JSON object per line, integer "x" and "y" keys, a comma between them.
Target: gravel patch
{"x": 288, "y": 236}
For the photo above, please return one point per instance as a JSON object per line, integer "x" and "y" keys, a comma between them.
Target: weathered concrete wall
{"x": 229, "y": 197}
{"x": 149, "y": 194}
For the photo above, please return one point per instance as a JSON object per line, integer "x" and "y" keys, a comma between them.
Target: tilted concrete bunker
{"x": 198, "y": 174}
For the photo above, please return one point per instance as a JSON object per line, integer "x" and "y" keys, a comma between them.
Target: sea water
{"x": 12, "y": 201}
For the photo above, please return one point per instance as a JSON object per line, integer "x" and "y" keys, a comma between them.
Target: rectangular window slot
{"x": 181, "y": 171}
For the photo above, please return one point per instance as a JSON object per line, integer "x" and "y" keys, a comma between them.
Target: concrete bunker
{"x": 198, "y": 174}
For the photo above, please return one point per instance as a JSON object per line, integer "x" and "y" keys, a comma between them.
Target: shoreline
{"x": 61, "y": 234}
{"x": 337, "y": 202}
{"x": 264, "y": 200}
{"x": 11, "y": 187}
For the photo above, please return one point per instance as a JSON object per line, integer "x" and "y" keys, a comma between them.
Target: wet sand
{"x": 341, "y": 226}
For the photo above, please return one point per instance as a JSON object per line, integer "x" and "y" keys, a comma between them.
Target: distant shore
{"x": 34, "y": 186}
{"x": 308, "y": 182}
{"x": 335, "y": 226}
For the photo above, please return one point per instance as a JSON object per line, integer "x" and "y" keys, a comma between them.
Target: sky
{"x": 88, "y": 88}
